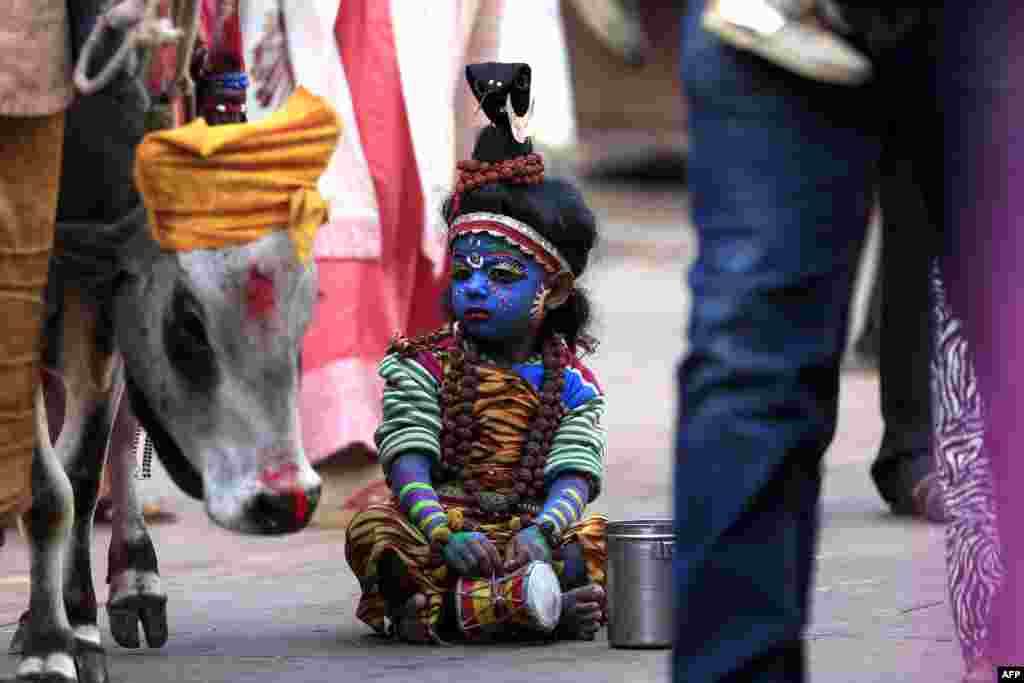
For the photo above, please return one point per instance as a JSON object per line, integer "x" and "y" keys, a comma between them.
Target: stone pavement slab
{"x": 282, "y": 609}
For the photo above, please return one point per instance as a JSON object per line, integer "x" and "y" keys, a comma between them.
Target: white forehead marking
{"x": 219, "y": 278}
{"x": 210, "y": 269}
{"x": 475, "y": 241}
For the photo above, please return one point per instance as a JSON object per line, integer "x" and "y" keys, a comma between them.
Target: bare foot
{"x": 406, "y": 626}
{"x": 980, "y": 670}
{"x": 582, "y": 612}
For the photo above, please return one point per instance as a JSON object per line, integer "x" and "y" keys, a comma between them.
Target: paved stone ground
{"x": 256, "y": 609}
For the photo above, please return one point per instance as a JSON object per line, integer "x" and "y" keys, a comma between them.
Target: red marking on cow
{"x": 284, "y": 481}
{"x": 301, "y": 507}
{"x": 281, "y": 477}
{"x": 259, "y": 292}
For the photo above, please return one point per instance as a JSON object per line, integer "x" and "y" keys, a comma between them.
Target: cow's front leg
{"x": 45, "y": 638}
{"x": 89, "y": 428}
{"x": 136, "y": 594}
{"x": 86, "y": 360}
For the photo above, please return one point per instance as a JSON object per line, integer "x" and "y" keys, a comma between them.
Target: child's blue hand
{"x": 527, "y": 546}
{"x": 471, "y": 554}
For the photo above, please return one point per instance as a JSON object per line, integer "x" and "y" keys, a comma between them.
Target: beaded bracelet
{"x": 440, "y": 535}
{"x": 549, "y": 532}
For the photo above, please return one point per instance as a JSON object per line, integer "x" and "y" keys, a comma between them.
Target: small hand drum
{"x": 529, "y": 598}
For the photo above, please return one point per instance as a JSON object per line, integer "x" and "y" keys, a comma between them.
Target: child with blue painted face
{"x": 492, "y": 440}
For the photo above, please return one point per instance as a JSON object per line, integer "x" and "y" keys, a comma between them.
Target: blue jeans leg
{"x": 781, "y": 172}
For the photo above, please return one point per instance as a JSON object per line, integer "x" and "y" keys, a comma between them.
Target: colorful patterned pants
{"x": 383, "y": 528}
{"x": 973, "y": 558}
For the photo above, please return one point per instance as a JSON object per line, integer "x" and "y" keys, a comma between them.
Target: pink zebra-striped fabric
{"x": 973, "y": 559}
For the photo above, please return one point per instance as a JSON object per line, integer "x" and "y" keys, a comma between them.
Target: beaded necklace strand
{"x": 460, "y": 429}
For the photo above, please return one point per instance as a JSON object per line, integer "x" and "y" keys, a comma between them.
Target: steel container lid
{"x": 655, "y": 529}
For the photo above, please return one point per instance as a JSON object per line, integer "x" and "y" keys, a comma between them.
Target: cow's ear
{"x": 139, "y": 251}
{"x": 122, "y": 278}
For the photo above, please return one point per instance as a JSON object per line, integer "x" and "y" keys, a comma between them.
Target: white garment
{"x": 434, "y": 41}
{"x": 533, "y": 32}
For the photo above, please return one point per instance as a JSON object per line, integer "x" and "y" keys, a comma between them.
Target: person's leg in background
{"x": 29, "y": 178}
{"x": 974, "y": 559}
{"x": 781, "y": 172}
{"x": 868, "y": 346}
{"x": 904, "y": 471}
{"x": 981, "y": 261}
{"x": 977, "y": 391}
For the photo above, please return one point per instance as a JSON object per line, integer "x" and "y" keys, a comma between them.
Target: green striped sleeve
{"x": 579, "y": 444}
{"x": 426, "y": 523}
{"x": 412, "y": 412}
{"x": 566, "y": 508}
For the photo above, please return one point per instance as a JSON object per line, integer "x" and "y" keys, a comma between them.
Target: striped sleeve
{"x": 579, "y": 444}
{"x": 412, "y": 412}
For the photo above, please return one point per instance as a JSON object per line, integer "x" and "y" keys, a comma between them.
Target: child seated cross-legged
{"x": 492, "y": 441}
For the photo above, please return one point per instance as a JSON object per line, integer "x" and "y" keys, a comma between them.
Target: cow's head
{"x": 211, "y": 341}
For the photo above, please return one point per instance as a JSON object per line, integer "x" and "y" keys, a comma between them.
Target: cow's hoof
{"x": 127, "y": 612}
{"x": 55, "y": 667}
{"x": 18, "y": 641}
{"x": 91, "y": 662}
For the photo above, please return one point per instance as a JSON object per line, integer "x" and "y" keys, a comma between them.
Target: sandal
{"x": 790, "y": 34}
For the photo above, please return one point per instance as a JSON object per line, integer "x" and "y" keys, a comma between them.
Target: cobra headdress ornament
{"x": 503, "y": 93}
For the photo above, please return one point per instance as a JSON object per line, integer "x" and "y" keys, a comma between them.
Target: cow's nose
{"x": 284, "y": 510}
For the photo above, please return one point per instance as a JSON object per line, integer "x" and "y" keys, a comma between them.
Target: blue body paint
{"x": 494, "y": 287}
{"x": 566, "y": 499}
{"x": 411, "y": 484}
{"x": 561, "y": 509}
{"x": 461, "y": 557}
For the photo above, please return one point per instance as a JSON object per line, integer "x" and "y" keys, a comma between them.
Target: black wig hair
{"x": 555, "y": 208}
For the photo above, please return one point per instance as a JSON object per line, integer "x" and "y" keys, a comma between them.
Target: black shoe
{"x": 925, "y": 501}
{"x": 906, "y": 480}
{"x": 793, "y": 34}
{"x": 929, "y": 499}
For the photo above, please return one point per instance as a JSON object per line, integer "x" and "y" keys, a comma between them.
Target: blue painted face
{"x": 498, "y": 290}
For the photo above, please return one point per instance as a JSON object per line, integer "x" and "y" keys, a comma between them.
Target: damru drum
{"x": 530, "y": 598}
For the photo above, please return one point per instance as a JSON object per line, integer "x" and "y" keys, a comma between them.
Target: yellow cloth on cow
{"x": 207, "y": 187}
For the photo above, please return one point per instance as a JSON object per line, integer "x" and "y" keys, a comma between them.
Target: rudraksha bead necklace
{"x": 460, "y": 429}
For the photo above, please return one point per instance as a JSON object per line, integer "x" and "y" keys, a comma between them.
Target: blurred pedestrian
{"x": 978, "y": 397}
{"x": 904, "y": 471}
{"x": 380, "y": 257}
{"x": 895, "y": 340}
{"x": 803, "y": 36}
{"x": 867, "y": 347}
{"x": 218, "y": 64}
{"x": 974, "y": 559}
{"x": 782, "y": 171}
{"x": 35, "y": 91}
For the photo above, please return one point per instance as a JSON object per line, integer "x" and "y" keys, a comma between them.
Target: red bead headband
{"x": 522, "y": 170}
{"x": 517, "y": 232}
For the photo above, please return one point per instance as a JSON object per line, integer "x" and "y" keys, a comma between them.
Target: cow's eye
{"x": 187, "y": 344}
{"x": 193, "y": 332}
